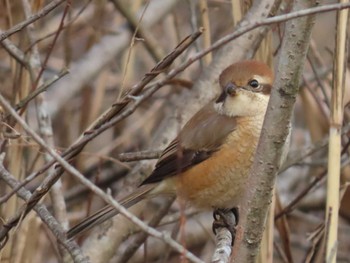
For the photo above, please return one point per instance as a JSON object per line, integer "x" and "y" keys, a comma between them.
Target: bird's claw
{"x": 221, "y": 220}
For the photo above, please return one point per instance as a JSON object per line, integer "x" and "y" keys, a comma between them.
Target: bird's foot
{"x": 223, "y": 218}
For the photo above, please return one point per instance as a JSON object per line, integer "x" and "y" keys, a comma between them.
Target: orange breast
{"x": 220, "y": 180}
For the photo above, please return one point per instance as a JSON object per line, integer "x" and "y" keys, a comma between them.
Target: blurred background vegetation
{"x": 97, "y": 44}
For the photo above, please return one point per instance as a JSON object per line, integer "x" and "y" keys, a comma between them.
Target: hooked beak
{"x": 230, "y": 89}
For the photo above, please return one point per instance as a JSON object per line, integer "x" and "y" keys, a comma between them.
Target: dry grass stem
{"x": 237, "y": 10}
{"x": 203, "y": 5}
{"x": 334, "y": 150}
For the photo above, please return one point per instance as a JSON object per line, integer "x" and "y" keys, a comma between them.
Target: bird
{"x": 207, "y": 165}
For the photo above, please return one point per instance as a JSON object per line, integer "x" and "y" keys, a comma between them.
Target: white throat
{"x": 244, "y": 104}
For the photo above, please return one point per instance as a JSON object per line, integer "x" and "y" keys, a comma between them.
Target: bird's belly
{"x": 220, "y": 181}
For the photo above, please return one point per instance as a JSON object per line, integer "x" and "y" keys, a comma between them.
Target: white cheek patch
{"x": 239, "y": 105}
{"x": 245, "y": 105}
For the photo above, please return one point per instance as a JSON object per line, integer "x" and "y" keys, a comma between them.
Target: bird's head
{"x": 246, "y": 88}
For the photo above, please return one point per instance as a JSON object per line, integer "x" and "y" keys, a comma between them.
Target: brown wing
{"x": 203, "y": 135}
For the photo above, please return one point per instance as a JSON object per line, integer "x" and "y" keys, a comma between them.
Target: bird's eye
{"x": 254, "y": 83}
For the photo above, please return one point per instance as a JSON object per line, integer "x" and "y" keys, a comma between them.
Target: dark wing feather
{"x": 199, "y": 139}
{"x": 176, "y": 163}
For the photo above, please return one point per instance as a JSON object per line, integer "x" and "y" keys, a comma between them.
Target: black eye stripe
{"x": 265, "y": 89}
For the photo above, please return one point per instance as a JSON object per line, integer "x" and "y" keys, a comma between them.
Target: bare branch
{"x": 275, "y": 131}
{"x": 224, "y": 238}
{"x": 149, "y": 42}
{"x": 141, "y": 238}
{"x": 41, "y": 89}
{"x": 301, "y": 155}
{"x": 43, "y": 12}
{"x": 137, "y": 156}
{"x": 14, "y": 51}
{"x": 45, "y": 216}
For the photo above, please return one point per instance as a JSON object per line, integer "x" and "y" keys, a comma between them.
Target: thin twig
{"x": 45, "y": 216}
{"x": 318, "y": 79}
{"x": 301, "y": 155}
{"x": 66, "y": 25}
{"x": 135, "y": 25}
{"x": 40, "y": 89}
{"x": 137, "y": 156}
{"x": 48, "y": 54}
{"x": 14, "y": 52}
{"x": 287, "y": 209}
{"x": 141, "y": 238}
{"x": 136, "y": 29}
{"x": 43, "y": 12}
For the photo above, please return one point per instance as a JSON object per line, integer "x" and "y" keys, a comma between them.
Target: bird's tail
{"x": 108, "y": 212}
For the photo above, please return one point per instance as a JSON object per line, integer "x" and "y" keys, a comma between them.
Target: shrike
{"x": 208, "y": 163}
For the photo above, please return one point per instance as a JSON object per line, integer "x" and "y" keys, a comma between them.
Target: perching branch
{"x": 224, "y": 238}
